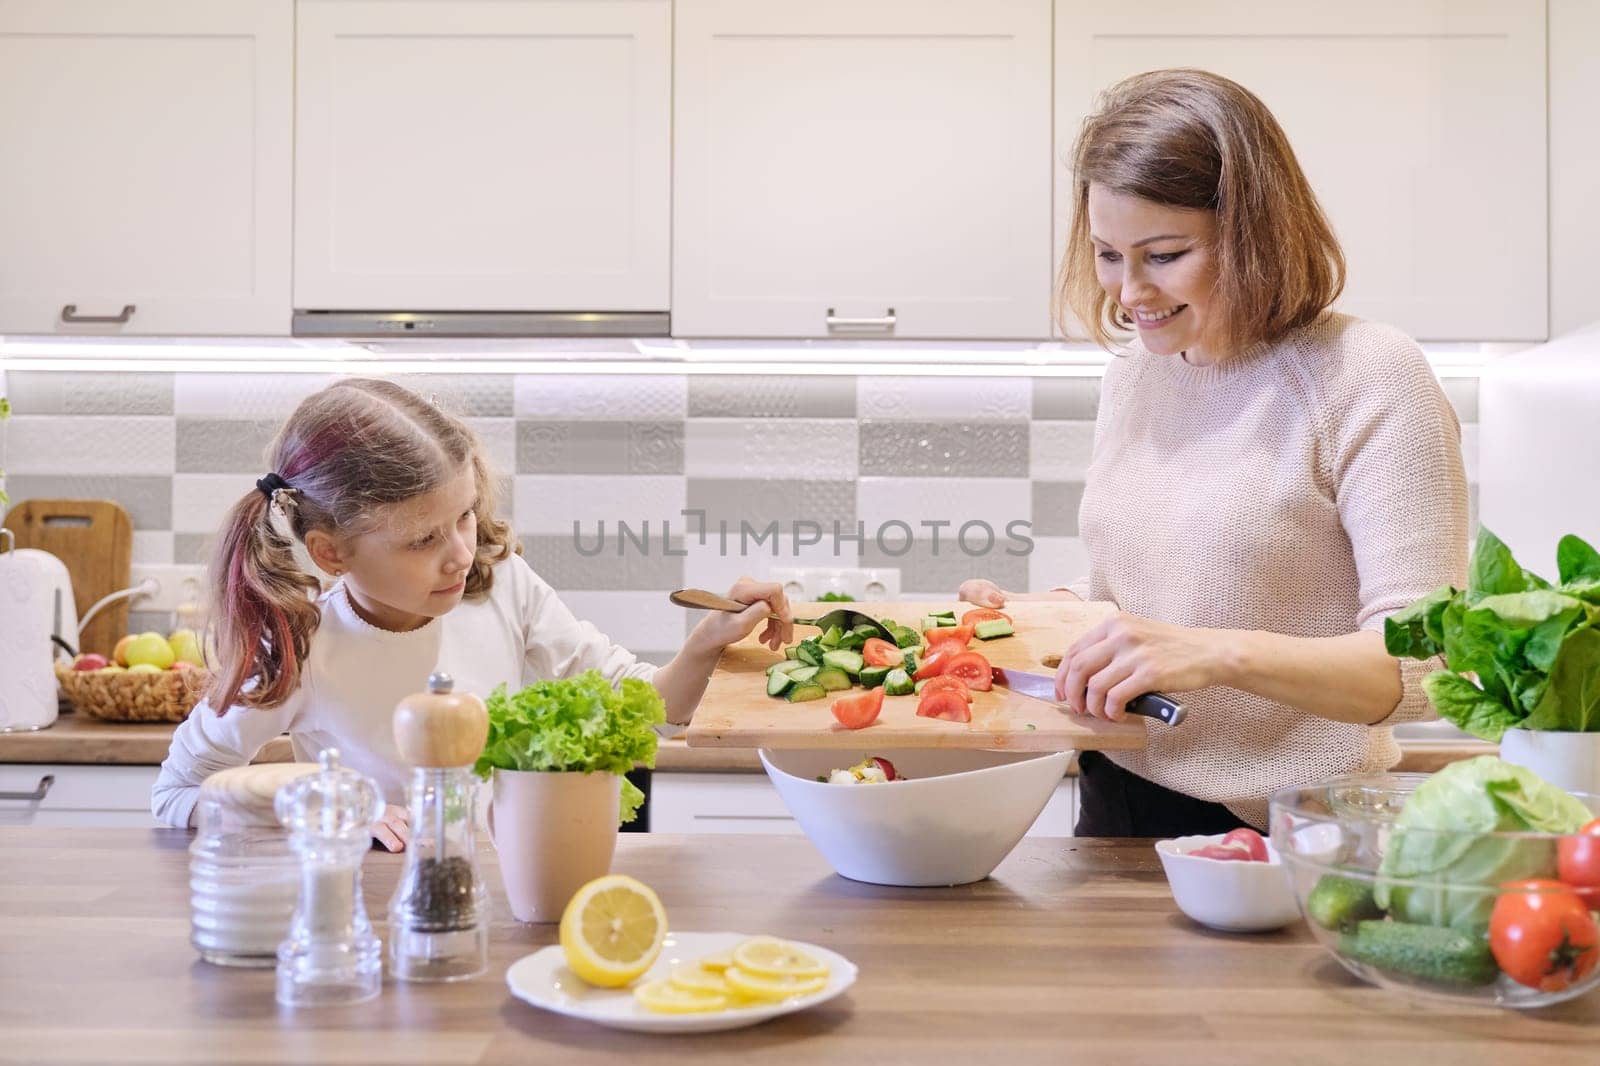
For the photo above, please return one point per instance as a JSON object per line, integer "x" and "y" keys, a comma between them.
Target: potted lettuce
{"x": 1522, "y": 657}
{"x": 555, "y": 757}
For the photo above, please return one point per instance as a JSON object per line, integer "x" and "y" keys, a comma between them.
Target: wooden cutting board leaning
{"x": 736, "y": 712}
{"x": 94, "y": 538}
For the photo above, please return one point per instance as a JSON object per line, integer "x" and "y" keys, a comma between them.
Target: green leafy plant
{"x": 577, "y": 725}
{"x": 1521, "y": 652}
{"x": 835, "y": 597}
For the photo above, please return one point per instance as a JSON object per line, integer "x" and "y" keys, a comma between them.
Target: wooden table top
{"x": 1073, "y": 951}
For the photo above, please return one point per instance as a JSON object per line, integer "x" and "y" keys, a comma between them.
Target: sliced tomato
{"x": 982, "y": 614}
{"x": 944, "y": 703}
{"x": 1223, "y": 852}
{"x": 946, "y": 681}
{"x": 1248, "y": 839}
{"x": 947, "y": 635}
{"x": 889, "y": 772}
{"x": 877, "y": 652}
{"x": 973, "y": 668}
{"x": 933, "y": 662}
{"x": 858, "y": 712}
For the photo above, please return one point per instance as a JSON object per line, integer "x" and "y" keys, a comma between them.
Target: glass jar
{"x": 243, "y": 877}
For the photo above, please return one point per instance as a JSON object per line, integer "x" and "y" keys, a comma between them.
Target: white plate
{"x": 543, "y": 980}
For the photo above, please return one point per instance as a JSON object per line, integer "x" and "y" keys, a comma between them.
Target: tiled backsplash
{"x": 177, "y": 449}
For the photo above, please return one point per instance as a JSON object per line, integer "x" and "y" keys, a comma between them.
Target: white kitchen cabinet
{"x": 747, "y": 803}
{"x": 76, "y": 795}
{"x": 146, "y": 187}
{"x": 848, "y": 168}
{"x": 1420, "y": 124}
{"x": 481, "y": 155}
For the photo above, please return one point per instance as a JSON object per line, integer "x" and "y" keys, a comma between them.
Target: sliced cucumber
{"x": 785, "y": 667}
{"x": 898, "y": 683}
{"x": 906, "y": 637}
{"x": 931, "y": 621}
{"x": 848, "y": 661}
{"x": 830, "y": 639}
{"x": 808, "y": 691}
{"x": 852, "y": 641}
{"x": 804, "y": 673}
{"x": 991, "y": 628}
{"x": 910, "y": 663}
{"x": 948, "y": 612}
{"x": 792, "y": 652}
{"x": 778, "y": 683}
{"x": 831, "y": 679}
{"x": 916, "y": 686}
{"x": 809, "y": 653}
{"x": 872, "y": 676}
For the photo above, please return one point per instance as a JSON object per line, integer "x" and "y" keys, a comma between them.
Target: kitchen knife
{"x": 1043, "y": 687}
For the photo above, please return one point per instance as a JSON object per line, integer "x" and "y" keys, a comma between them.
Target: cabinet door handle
{"x": 884, "y": 324}
{"x": 37, "y": 795}
{"x": 69, "y": 313}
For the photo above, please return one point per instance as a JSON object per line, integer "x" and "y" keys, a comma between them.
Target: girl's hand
{"x": 981, "y": 591}
{"x": 1126, "y": 656}
{"x": 721, "y": 628}
{"x": 393, "y": 830}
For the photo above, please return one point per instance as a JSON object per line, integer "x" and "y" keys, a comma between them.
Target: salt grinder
{"x": 439, "y": 916}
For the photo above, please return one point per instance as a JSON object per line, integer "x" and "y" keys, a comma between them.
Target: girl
{"x": 1269, "y": 479}
{"x": 392, "y": 497}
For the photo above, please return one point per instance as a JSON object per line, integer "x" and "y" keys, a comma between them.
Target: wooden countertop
{"x": 1072, "y": 951}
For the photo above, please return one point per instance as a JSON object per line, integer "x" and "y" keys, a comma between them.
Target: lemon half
{"x": 612, "y": 930}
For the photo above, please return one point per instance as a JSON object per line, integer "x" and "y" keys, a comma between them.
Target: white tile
{"x": 917, "y": 399}
{"x": 646, "y": 621}
{"x": 788, "y": 448}
{"x": 641, "y": 396}
{"x": 246, "y": 396}
{"x": 48, "y": 444}
{"x": 707, "y": 566}
{"x": 1469, "y": 450}
{"x": 1060, "y": 451}
{"x": 152, "y": 547}
{"x": 1056, "y": 561}
{"x": 550, "y": 504}
{"x": 499, "y": 437}
{"x": 956, "y": 500}
{"x": 201, "y": 501}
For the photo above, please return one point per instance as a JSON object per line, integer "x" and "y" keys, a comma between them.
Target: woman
{"x": 1269, "y": 479}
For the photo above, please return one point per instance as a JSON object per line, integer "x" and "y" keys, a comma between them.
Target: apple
{"x": 112, "y": 669}
{"x": 119, "y": 654}
{"x": 145, "y": 668}
{"x": 186, "y": 647}
{"x": 89, "y": 660}
{"x": 182, "y": 665}
{"x": 150, "y": 649}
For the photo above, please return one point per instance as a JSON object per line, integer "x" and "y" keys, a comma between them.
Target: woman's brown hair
{"x": 1192, "y": 139}
{"x": 347, "y": 451}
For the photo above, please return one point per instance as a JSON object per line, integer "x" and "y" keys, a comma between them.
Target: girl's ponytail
{"x": 262, "y": 610}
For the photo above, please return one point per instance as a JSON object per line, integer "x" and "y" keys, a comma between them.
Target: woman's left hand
{"x": 721, "y": 628}
{"x": 1126, "y": 656}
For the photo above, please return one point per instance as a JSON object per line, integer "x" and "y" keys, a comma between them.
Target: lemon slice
{"x": 767, "y": 956}
{"x": 696, "y": 978}
{"x": 612, "y": 930}
{"x": 717, "y": 961}
{"x": 664, "y": 997}
{"x": 771, "y": 989}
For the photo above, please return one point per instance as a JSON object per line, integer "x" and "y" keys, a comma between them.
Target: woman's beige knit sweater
{"x": 1309, "y": 487}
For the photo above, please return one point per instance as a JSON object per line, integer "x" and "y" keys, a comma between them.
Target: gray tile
{"x": 46, "y": 392}
{"x": 211, "y": 446}
{"x": 944, "y": 449}
{"x": 148, "y": 500}
{"x": 465, "y": 395}
{"x": 592, "y": 447}
{"x": 1055, "y": 508}
{"x": 760, "y": 502}
{"x": 770, "y": 396}
{"x": 1463, "y": 393}
{"x": 619, "y": 565}
{"x": 923, "y": 572}
{"x": 150, "y": 622}
{"x": 1075, "y": 398}
{"x": 189, "y": 549}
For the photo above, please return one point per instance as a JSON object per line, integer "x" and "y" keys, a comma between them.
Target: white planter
{"x": 1568, "y": 760}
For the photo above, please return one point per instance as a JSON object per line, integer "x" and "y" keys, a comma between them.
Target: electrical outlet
{"x": 805, "y": 584}
{"x": 176, "y": 586}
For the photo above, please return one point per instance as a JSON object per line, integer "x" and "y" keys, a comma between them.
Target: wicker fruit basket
{"x": 120, "y": 696}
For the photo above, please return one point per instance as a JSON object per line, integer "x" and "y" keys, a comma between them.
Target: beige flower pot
{"x": 554, "y": 832}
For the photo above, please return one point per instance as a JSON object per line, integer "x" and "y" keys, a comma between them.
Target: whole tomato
{"x": 1578, "y": 862}
{"x": 1542, "y": 935}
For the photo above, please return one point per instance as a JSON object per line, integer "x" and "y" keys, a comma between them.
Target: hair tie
{"x": 270, "y": 484}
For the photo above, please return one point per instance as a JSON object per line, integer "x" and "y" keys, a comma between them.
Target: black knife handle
{"x": 1155, "y": 705}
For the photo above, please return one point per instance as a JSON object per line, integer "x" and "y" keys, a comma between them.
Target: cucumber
{"x": 808, "y": 691}
{"x": 991, "y": 628}
{"x": 778, "y": 683}
{"x": 898, "y": 683}
{"x": 809, "y": 653}
{"x": 916, "y": 686}
{"x": 865, "y": 630}
{"x": 872, "y": 676}
{"x": 830, "y": 639}
{"x": 948, "y": 612}
{"x": 803, "y": 674}
{"x": 832, "y": 679}
{"x": 910, "y": 663}
{"x": 933, "y": 621}
{"x": 848, "y": 661}
{"x": 1429, "y": 952}
{"x": 853, "y": 641}
{"x": 785, "y": 667}
{"x": 905, "y": 636}
{"x": 1339, "y": 902}
{"x": 792, "y": 653}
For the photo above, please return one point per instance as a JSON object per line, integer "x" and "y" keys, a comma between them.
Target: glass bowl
{"x": 1427, "y": 936}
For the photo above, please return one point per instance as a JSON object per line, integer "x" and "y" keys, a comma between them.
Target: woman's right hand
{"x": 981, "y": 591}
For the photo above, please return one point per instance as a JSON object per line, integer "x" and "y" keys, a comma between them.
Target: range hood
{"x": 482, "y": 324}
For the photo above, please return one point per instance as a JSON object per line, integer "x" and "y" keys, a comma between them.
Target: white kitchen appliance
{"x": 35, "y": 605}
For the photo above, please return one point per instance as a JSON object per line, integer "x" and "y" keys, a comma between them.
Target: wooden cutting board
{"x": 736, "y": 711}
{"x": 94, "y": 538}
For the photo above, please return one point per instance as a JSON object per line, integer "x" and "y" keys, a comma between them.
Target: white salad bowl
{"x": 951, "y": 822}
{"x": 1233, "y": 896}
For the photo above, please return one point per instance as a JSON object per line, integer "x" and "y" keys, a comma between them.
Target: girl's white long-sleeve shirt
{"x": 356, "y": 673}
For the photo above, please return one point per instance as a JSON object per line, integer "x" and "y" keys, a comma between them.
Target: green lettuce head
{"x": 1439, "y": 839}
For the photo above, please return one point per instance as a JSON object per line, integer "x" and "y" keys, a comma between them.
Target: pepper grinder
{"x": 331, "y": 955}
{"x": 439, "y": 916}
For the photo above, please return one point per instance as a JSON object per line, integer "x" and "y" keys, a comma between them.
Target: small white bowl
{"x": 1236, "y": 897}
{"x": 951, "y": 822}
